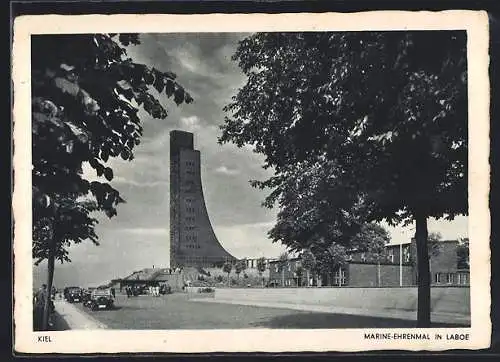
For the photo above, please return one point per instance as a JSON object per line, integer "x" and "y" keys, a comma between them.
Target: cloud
{"x": 146, "y": 231}
{"x": 226, "y": 171}
{"x": 122, "y": 180}
{"x": 191, "y": 122}
{"x": 259, "y": 225}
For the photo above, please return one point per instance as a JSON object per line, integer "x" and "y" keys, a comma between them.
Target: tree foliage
{"x": 357, "y": 127}
{"x": 463, "y": 254}
{"x": 227, "y": 267}
{"x": 370, "y": 106}
{"x": 239, "y": 267}
{"x": 371, "y": 238}
{"x": 261, "y": 265}
{"x": 86, "y": 94}
{"x": 308, "y": 260}
{"x": 283, "y": 261}
{"x": 434, "y": 243}
{"x": 332, "y": 258}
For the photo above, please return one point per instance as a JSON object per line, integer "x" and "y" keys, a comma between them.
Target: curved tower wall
{"x": 192, "y": 239}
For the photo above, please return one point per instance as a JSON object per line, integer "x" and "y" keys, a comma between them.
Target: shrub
{"x": 206, "y": 290}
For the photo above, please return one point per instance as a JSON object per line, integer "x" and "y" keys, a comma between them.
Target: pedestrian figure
{"x": 41, "y": 297}
{"x": 113, "y": 292}
{"x": 39, "y": 302}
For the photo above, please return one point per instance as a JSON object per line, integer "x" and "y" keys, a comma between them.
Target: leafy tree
{"x": 261, "y": 267}
{"x": 433, "y": 243}
{"x": 86, "y": 94}
{"x": 283, "y": 262}
{"x": 299, "y": 272}
{"x": 226, "y": 268}
{"x": 368, "y": 114}
{"x": 308, "y": 262}
{"x": 239, "y": 267}
{"x": 463, "y": 254}
{"x": 365, "y": 119}
{"x": 332, "y": 260}
{"x": 372, "y": 238}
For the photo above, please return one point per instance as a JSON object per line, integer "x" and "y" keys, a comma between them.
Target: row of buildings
{"x": 396, "y": 268}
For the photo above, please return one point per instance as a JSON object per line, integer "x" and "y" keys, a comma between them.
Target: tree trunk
{"x": 50, "y": 278}
{"x": 283, "y": 277}
{"x": 228, "y": 280}
{"x": 308, "y": 280}
{"x": 423, "y": 273}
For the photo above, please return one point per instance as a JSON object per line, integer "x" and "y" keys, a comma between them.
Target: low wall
{"x": 443, "y": 299}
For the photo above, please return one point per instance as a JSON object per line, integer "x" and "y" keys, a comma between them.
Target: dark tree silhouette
{"x": 226, "y": 268}
{"x": 86, "y": 94}
{"x": 357, "y": 126}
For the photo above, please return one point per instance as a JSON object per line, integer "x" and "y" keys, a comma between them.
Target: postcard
{"x": 251, "y": 182}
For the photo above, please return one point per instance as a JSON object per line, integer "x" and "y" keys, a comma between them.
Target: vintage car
{"x": 86, "y": 294}
{"x": 73, "y": 294}
{"x": 101, "y": 299}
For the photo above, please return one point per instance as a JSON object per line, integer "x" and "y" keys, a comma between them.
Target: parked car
{"x": 73, "y": 294}
{"x": 86, "y": 296}
{"x": 101, "y": 299}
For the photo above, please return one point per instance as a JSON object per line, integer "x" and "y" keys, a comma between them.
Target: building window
{"x": 391, "y": 255}
{"x": 437, "y": 278}
{"x": 340, "y": 277}
{"x": 406, "y": 253}
{"x": 449, "y": 278}
{"x": 462, "y": 278}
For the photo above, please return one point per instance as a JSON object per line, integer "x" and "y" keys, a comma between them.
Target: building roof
{"x": 145, "y": 274}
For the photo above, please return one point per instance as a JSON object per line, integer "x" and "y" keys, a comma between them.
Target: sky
{"x": 138, "y": 237}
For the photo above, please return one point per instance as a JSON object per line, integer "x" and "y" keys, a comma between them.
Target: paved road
{"x": 176, "y": 312}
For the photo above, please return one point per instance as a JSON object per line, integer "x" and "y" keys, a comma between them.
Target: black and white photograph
{"x": 322, "y": 175}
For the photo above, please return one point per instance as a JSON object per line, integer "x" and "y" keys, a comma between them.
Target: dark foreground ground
{"x": 176, "y": 312}
{"x": 58, "y": 324}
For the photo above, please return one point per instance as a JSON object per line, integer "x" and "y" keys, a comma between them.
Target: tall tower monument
{"x": 192, "y": 239}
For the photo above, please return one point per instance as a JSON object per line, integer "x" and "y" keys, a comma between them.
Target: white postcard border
{"x": 268, "y": 340}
